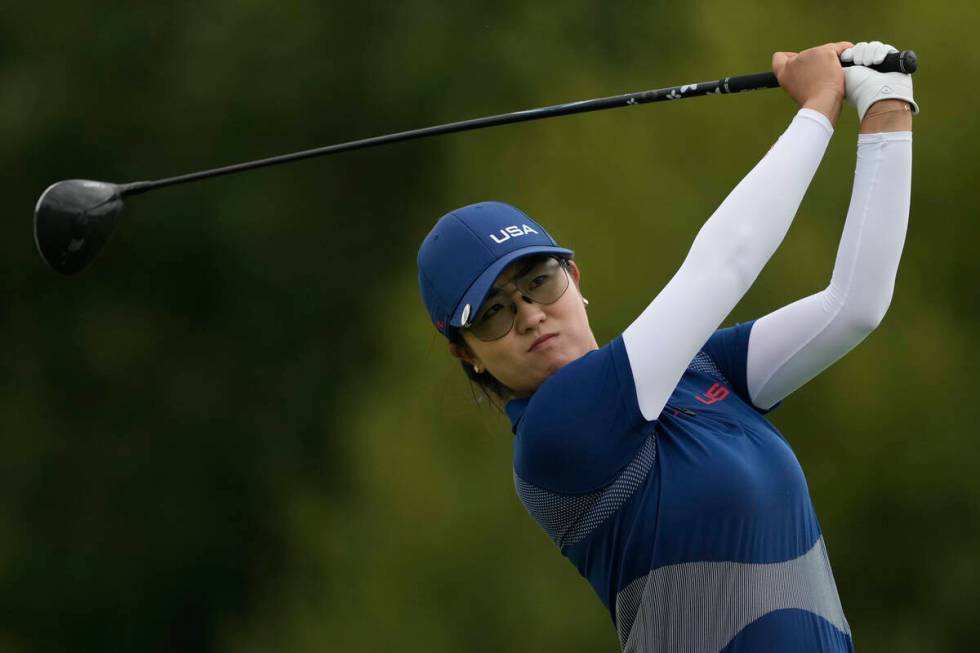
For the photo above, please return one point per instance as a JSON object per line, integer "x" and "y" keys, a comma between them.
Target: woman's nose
{"x": 529, "y": 314}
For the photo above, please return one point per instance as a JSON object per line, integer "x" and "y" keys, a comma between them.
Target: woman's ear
{"x": 574, "y": 271}
{"x": 463, "y": 353}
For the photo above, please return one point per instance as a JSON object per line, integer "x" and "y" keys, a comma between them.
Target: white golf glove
{"x": 864, "y": 86}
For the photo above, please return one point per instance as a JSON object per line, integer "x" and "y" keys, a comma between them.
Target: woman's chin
{"x": 556, "y": 361}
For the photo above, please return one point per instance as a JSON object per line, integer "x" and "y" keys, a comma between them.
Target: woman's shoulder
{"x": 599, "y": 376}
{"x": 594, "y": 367}
{"x": 582, "y": 421}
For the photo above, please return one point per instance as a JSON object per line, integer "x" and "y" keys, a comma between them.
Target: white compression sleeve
{"x": 727, "y": 255}
{"x": 792, "y": 345}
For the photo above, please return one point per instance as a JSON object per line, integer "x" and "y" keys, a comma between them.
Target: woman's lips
{"x": 540, "y": 341}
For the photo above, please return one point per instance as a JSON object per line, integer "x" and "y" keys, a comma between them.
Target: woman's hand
{"x": 884, "y": 100}
{"x": 814, "y": 77}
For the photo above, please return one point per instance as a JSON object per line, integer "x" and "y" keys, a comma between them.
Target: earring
{"x": 476, "y": 368}
{"x": 585, "y": 301}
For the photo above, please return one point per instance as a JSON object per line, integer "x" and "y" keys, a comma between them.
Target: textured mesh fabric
{"x": 570, "y": 519}
{"x": 702, "y": 363}
{"x": 698, "y": 607}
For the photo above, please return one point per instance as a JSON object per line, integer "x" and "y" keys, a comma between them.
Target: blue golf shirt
{"x": 695, "y": 529}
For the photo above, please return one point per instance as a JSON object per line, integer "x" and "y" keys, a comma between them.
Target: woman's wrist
{"x": 828, "y": 103}
{"x": 887, "y": 116}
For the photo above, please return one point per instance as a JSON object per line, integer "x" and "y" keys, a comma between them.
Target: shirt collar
{"x": 515, "y": 411}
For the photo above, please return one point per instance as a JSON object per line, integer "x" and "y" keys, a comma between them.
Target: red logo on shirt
{"x": 715, "y": 393}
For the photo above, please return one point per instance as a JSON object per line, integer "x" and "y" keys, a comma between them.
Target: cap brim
{"x": 477, "y": 292}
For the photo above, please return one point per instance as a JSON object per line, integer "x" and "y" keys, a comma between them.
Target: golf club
{"x": 74, "y": 219}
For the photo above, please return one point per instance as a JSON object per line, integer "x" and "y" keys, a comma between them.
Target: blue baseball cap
{"x": 467, "y": 250}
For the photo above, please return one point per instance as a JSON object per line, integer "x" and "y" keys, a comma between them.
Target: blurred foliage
{"x": 238, "y": 431}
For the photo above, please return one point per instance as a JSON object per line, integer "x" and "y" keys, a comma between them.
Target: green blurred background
{"x": 239, "y": 432}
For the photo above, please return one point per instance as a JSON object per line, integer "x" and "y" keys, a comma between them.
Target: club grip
{"x": 895, "y": 62}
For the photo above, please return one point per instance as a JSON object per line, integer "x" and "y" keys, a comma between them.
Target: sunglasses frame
{"x": 562, "y": 263}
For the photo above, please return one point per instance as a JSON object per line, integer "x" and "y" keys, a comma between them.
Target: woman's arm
{"x": 737, "y": 241}
{"x": 727, "y": 255}
{"x": 740, "y": 237}
{"x": 792, "y": 345}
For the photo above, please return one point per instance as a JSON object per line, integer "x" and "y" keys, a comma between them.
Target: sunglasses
{"x": 542, "y": 281}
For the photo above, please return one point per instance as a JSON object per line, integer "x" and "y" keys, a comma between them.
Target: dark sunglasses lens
{"x": 494, "y": 320}
{"x": 546, "y": 282}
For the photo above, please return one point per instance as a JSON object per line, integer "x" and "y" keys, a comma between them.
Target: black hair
{"x": 493, "y": 390}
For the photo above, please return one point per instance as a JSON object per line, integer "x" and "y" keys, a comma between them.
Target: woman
{"x": 648, "y": 460}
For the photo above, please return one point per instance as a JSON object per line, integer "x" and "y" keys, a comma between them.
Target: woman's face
{"x": 514, "y": 359}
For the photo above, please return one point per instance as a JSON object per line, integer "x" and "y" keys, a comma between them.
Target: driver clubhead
{"x": 73, "y": 220}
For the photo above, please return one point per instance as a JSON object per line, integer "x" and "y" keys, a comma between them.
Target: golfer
{"x": 648, "y": 461}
